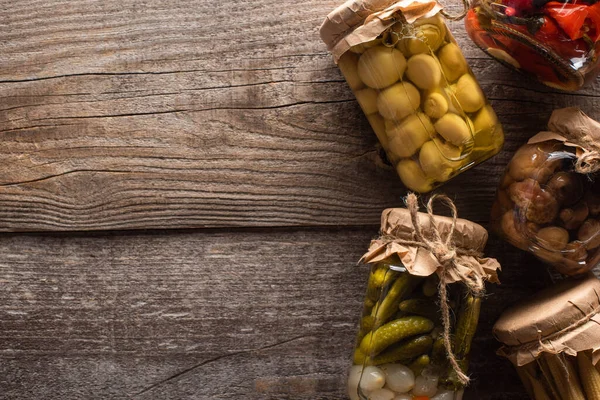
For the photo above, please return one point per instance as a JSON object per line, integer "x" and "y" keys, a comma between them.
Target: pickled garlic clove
{"x": 372, "y": 378}
{"x": 381, "y": 394}
{"x": 399, "y": 378}
{"x": 425, "y": 386}
{"x": 443, "y": 395}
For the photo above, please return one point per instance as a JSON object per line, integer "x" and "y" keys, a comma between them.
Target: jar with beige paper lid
{"x": 553, "y": 339}
{"x": 414, "y": 85}
{"x": 422, "y": 304}
{"x": 548, "y": 201}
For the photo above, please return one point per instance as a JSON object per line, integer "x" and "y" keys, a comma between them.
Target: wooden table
{"x": 185, "y": 188}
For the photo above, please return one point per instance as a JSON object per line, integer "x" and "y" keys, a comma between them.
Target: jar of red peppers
{"x": 548, "y": 201}
{"x": 556, "y": 42}
{"x": 553, "y": 339}
{"x": 421, "y": 307}
{"x": 414, "y": 86}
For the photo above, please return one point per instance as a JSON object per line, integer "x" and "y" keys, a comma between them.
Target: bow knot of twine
{"x": 444, "y": 250}
{"x": 588, "y": 162}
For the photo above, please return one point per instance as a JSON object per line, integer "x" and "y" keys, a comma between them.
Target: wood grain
{"x": 203, "y": 315}
{"x": 150, "y": 114}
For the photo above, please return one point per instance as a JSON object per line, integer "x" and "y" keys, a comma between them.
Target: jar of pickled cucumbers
{"x": 556, "y": 42}
{"x": 423, "y": 271}
{"x": 414, "y": 85}
{"x": 553, "y": 340}
{"x": 548, "y": 201}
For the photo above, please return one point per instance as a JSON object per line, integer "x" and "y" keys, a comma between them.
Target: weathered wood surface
{"x": 179, "y": 114}
{"x": 202, "y": 315}
{"x": 152, "y": 114}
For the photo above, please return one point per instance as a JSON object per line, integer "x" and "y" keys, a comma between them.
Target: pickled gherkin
{"x": 414, "y": 77}
{"x": 414, "y": 339}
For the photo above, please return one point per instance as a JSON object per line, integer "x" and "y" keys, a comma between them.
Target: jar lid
{"x": 398, "y": 239}
{"x": 561, "y": 318}
{"x": 359, "y": 21}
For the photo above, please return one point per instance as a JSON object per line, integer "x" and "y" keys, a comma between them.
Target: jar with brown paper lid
{"x": 548, "y": 201}
{"x": 414, "y": 85}
{"x": 421, "y": 308}
{"x": 553, "y": 340}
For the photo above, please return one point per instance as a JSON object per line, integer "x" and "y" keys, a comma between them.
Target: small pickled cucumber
{"x": 398, "y": 101}
{"x": 404, "y": 352}
{"x": 430, "y": 286}
{"x": 413, "y": 177}
{"x": 435, "y": 105}
{"x": 453, "y": 63}
{"x": 367, "y": 99}
{"x": 434, "y": 158}
{"x": 378, "y": 124}
{"x": 402, "y": 286}
{"x": 484, "y": 127}
{"x": 468, "y": 93}
{"x": 380, "y": 67}
{"x": 423, "y": 307}
{"x": 466, "y": 325}
{"x": 419, "y": 364}
{"x": 438, "y": 351}
{"x": 409, "y": 135}
{"x": 393, "y": 332}
{"x": 454, "y": 129}
{"x": 424, "y": 71}
{"x": 348, "y": 64}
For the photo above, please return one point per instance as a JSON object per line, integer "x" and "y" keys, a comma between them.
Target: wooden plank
{"x": 120, "y": 115}
{"x": 252, "y": 314}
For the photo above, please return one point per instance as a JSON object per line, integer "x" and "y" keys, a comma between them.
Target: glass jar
{"x": 553, "y": 340}
{"x": 555, "y": 42}
{"x": 414, "y": 85}
{"x": 400, "y": 352}
{"x": 545, "y": 206}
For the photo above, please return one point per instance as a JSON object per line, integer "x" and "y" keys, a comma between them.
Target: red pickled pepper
{"x": 576, "y": 20}
{"x": 420, "y": 398}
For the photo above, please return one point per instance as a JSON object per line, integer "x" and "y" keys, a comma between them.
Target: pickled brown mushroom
{"x": 538, "y": 204}
{"x": 575, "y": 251}
{"x": 553, "y": 237}
{"x": 509, "y": 228}
{"x": 572, "y": 218}
{"x": 567, "y": 187}
{"x": 531, "y": 161}
{"x": 589, "y": 233}
{"x": 593, "y": 202}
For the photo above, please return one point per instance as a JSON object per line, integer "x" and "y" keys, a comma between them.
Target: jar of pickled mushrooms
{"x": 548, "y": 201}
{"x": 421, "y": 307}
{"x": 414, "y": 85}
{"x": 553, "y": 339}
{"x": 556, "y": 42}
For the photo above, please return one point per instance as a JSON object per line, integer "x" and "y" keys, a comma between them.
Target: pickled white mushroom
{"x": 398, "y": 377}
{"x": 413, "y": 176}
{"x": 348, "y": 64}
{"x": 424, "y": 71}
{"x": 408, "y": 136}
{"x": 453, "y": 63}
{"x": 454, "y": 129}
{"x": 367, "y": 99}
{"x": 378, "y": 124}
{"x": 435, "y": 105}
{"x": 372, "y": 378}
{"x": 381, "y": 394}
{"x": 443, "y": 395}
{"x": 425, "y": 386}
{"x": 469, "y": 94}
{"x": 380, "y": 67}
{"x": 353, "y": 379}
{"x": 398, "y": 101}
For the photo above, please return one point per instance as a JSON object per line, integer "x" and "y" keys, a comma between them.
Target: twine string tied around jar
{"x": 444, "y": 250}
